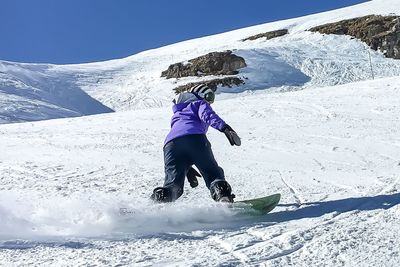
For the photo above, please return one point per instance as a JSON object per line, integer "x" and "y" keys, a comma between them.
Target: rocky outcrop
{"x": 379, "y": 32}
{"x": 215, "y": 63}
{"x": 213, "y": 84}
{"x": 268, "y": 35}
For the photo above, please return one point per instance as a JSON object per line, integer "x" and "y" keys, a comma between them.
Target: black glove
{"x": 192, "y": 175}
{"x": 232, "y": 136}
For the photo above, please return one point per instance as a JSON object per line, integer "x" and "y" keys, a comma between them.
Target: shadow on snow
{"x": 317, "y": 209}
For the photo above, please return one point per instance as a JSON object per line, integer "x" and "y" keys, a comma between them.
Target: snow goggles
{"x": 209, "y": 97}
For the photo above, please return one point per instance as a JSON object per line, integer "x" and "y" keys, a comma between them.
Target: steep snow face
{"x": 298, "y": 60}
{"x": 333, "y": 153}
{"x": 35, "y": 92}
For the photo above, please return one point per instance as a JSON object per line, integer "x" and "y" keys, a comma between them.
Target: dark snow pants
{"x": 183, "y": 152}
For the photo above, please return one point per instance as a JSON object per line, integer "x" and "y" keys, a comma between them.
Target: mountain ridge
{"x": 135, "y": 83}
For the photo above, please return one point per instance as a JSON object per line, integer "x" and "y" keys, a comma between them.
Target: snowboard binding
{"x": 221, "y": 191}
{"x": 161, "y": 194}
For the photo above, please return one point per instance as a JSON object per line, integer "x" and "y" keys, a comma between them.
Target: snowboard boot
{"x": 161, "y": 194}
{"x": 221, "y": 191}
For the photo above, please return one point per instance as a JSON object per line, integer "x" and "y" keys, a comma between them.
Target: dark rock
{"x": 213, "y": 84}
{"x": 268, "y": 35}
{"x": 379, "y": 32}
{"x": 215, "y": 63}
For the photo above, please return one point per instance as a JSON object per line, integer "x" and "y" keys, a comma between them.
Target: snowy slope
{"x": 329, "y": 144}
{"x": 30, "y": 92}
{"x": 332, "y": 152}
{"x": 300, "y": 59}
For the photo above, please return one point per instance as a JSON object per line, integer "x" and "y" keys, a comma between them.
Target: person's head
{"x": 204, "y": 92}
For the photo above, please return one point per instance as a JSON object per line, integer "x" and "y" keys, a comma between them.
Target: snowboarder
{"x": 187, "y": 145}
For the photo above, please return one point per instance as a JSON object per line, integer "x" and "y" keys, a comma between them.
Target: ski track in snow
{"x": 74, "y": 191}
{"x": 296, "y": 194}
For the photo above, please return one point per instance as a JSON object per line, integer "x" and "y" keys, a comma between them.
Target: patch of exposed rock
{"x": 268, "y": 35}
{"x": 379, "y": 32}
{"x": 215, "y": 63}
{"x": 213, "y": 84}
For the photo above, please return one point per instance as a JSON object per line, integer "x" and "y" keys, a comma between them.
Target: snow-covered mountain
{"x": 314, "y": 127}
{"x": 300, "y": 59}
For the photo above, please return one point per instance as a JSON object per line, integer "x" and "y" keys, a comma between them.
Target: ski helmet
{"x": 204, "y": 92}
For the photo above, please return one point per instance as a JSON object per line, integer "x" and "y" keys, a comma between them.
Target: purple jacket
{"x": 192, "y": 115}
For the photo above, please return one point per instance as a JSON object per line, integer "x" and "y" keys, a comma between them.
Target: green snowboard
{"x": 260, "y": 206}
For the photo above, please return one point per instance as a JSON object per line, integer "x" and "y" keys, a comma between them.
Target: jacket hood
{"x": 183, "y": 100}
{"x": 186, "y": 97}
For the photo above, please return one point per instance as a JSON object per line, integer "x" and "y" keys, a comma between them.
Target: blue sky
{"x": 76, "y": 31}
